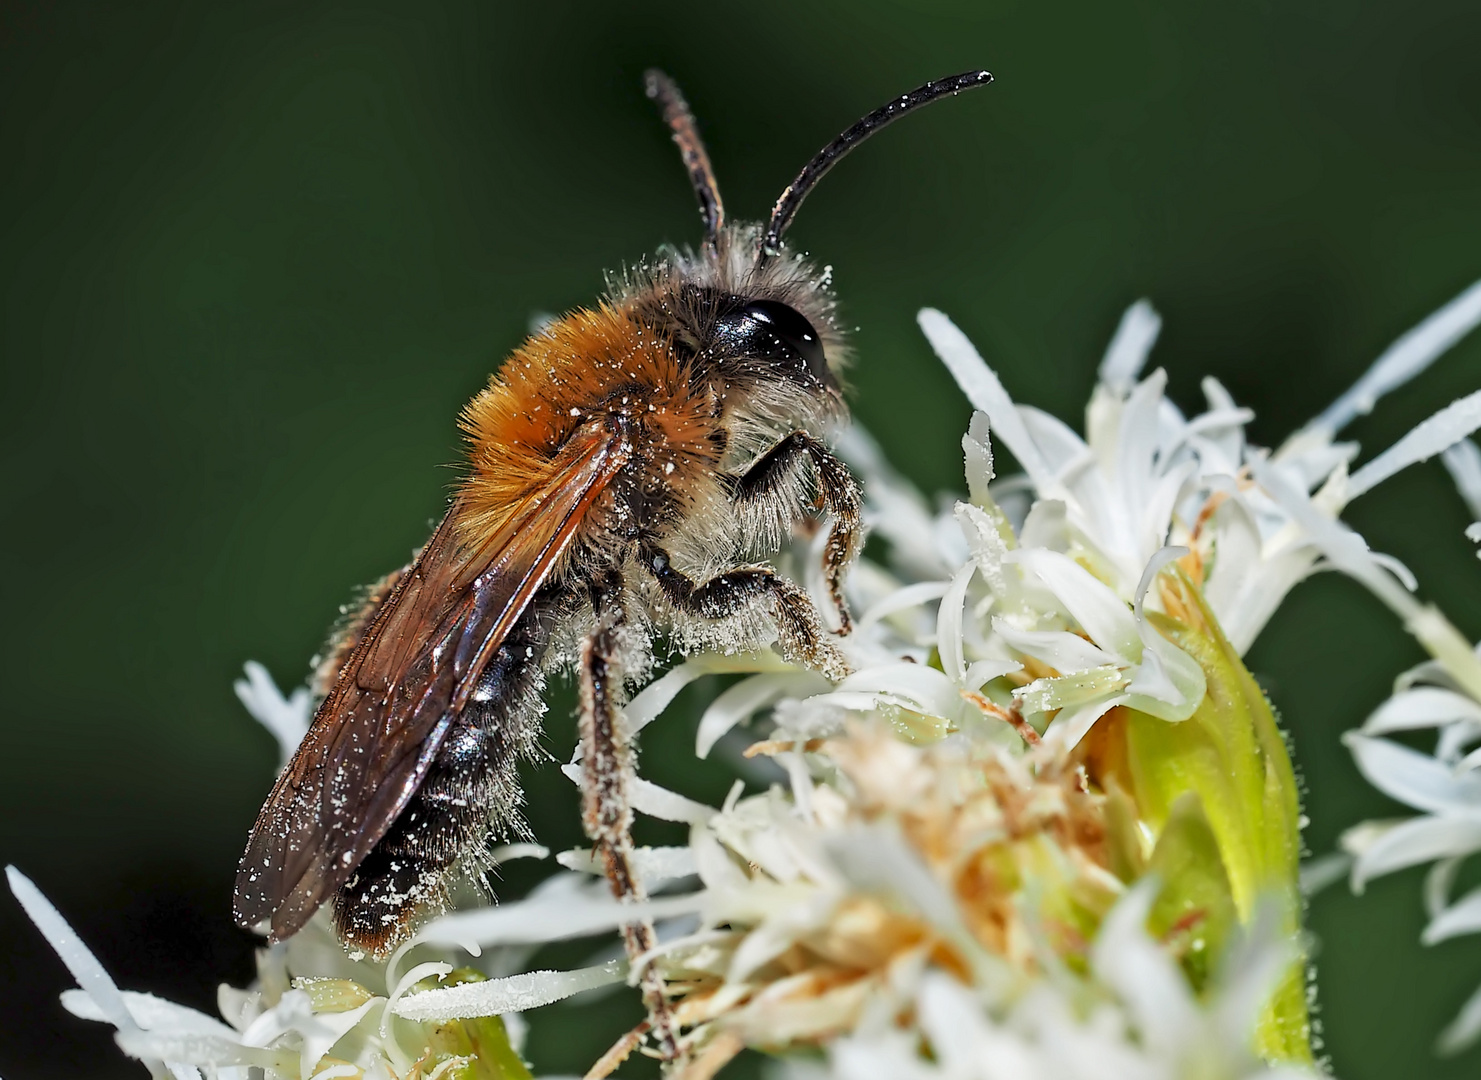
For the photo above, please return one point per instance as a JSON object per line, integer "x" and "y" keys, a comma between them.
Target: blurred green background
{"x": 256, "y": 255}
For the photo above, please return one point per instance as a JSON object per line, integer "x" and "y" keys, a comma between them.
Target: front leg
{"x": 725, "y": 596}
{"x": 776, "y": 469}
{"x": 606, "y": 812}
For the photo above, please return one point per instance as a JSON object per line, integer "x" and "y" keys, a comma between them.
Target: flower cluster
{"x": 1443, "y": 695}
{"x": 1046, "y": 827}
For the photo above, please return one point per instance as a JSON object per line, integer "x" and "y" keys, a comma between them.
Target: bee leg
{"x": 606, "y": 811}
{"x": 725, "y": 596}
{"x": 771, "y": 474}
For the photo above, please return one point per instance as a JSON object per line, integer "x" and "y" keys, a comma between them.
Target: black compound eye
{"x": 770, "y": 330}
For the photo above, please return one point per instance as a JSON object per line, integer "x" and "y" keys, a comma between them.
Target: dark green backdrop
{"x": 257, "y": 255}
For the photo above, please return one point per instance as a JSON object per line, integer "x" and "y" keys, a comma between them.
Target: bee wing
{"x": 376, "y": 733}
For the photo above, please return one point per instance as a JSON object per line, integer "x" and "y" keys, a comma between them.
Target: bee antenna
{"x": 786, "y": 206}
{"x": 663, "y": 90}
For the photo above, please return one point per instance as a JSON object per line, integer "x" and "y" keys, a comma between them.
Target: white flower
{"x": 1136, "y": 1019}
{"x": 1444, "y": 695}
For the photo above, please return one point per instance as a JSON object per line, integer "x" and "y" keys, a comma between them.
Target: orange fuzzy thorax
{"x": 587, "y": 364}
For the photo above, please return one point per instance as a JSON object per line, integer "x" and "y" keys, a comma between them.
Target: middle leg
{"x": 725, "y": 596}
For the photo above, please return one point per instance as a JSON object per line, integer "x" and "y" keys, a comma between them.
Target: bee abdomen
{"x": 470, "y": 790}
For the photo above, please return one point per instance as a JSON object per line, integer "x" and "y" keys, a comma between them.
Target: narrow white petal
{"x": 982, "y": 388}
{"x": 1405, "y": 358}
{"x": 1144, "y": 977}
{"x": 1324, "y": 870}
{"x": 1463, "y": 462}
{"x": 551, "y": 918}
{"x": 1415, "y": 779}
{"x": 1099, "y": 611}
{"x": 1437, "y": 885}
{"x": 1422, "y": 707}
{"x": 79, "y": 960}
{"x": 910, "y": 596}
{"x": 657, "y": 695}
{"x": 516, "y": 993}
{"x": 1065, "y": 652}
{"x": 286, "y": 718}
{"x": 744, "y": 699}
{"x": 949, "y": 615}
{"x": 149, "y": 1012}
{"x": 1133, "y": 340}
{"x": 1418, "y": 840}
{"x": 977, "y": 455}
{"x": 1431, "y": 437}
{"x": 659, "y": 802}
{"x": 649, "y": 798}
{"x": 1344, "y": 548}
{"x": 1251, "y": 971}
{"x": 1072, "y": 725}
{"x": 1461, "y": 917}
{"x": 653, "y": 864}
{"x": 202, "y": 1050}
{"x": 1464, "y": 1030}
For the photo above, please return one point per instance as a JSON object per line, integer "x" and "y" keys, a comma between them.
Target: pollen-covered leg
{"x": 767, "y": 480}
{"x": 606, "y": 811}
{"x": 727, "y": 595}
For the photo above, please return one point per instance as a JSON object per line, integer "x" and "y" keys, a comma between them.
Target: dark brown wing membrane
{"x": 377, "y": 731}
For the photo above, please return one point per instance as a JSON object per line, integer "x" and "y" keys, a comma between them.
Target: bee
{"x": 627, "y": 466}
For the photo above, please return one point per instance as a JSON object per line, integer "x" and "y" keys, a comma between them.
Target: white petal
{"x": 1071, "y": 725}
{"x": 989, "y": 549}
{"x": 1431, "y": 437}
{"x": 1099, "y": 611}
{"x": 649, "y": 798}
{"x": 1065, "y": 652}
{"x": 1343, "y": 547}
{"x": 1423, "y": 707}
{"x": 977, "y": 453}
{"x": 1463, "y": 462}
{"x": 1406, "y": 358}
{"x": 286, "y": 718}
{"x": 516, "y": 993}
{"x": 1251, "y": 971}
{"x": 149, "y": 1012}
{"x": 744, "y": 699}
{"x": 1415, "y": 779}
{"x": 1464, "y": 1030}
{"x": 1135, "y": 335}
{"x": 949, "y": 643}
{"x": 653, "y": 864}
{"x": 1324, "y": 870}
{"x": 910, "y": 596}
{"x": 1418, "y": 840}
{"x": 79, "y": 960}
{"x": 1143, "y": 976}
{"x": 982, "y": 388}
{"x": 659, "y": 802}
{"x": 551, "y": 918}
{"x": 657, "y": 695}
{"x": 1437, "y": 885}
{"x": 1461, "y": 917}
{"x": 202, "y": 1050}
{"x": 913, "y": 686}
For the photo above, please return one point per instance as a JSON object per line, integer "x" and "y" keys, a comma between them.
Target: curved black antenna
{"x": 786, "y": 206}
{"x": 680, "y": 120}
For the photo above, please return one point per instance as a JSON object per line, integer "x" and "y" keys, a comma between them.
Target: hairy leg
{"x": 727, "y": 595}
{"x": 837, "y": 491}
{"x": 606, "y": 811}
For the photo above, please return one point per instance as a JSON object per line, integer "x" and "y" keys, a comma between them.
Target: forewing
{"x": 376, "y": 733}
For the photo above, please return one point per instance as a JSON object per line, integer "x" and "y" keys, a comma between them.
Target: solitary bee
{"x": 624, "y": 464}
